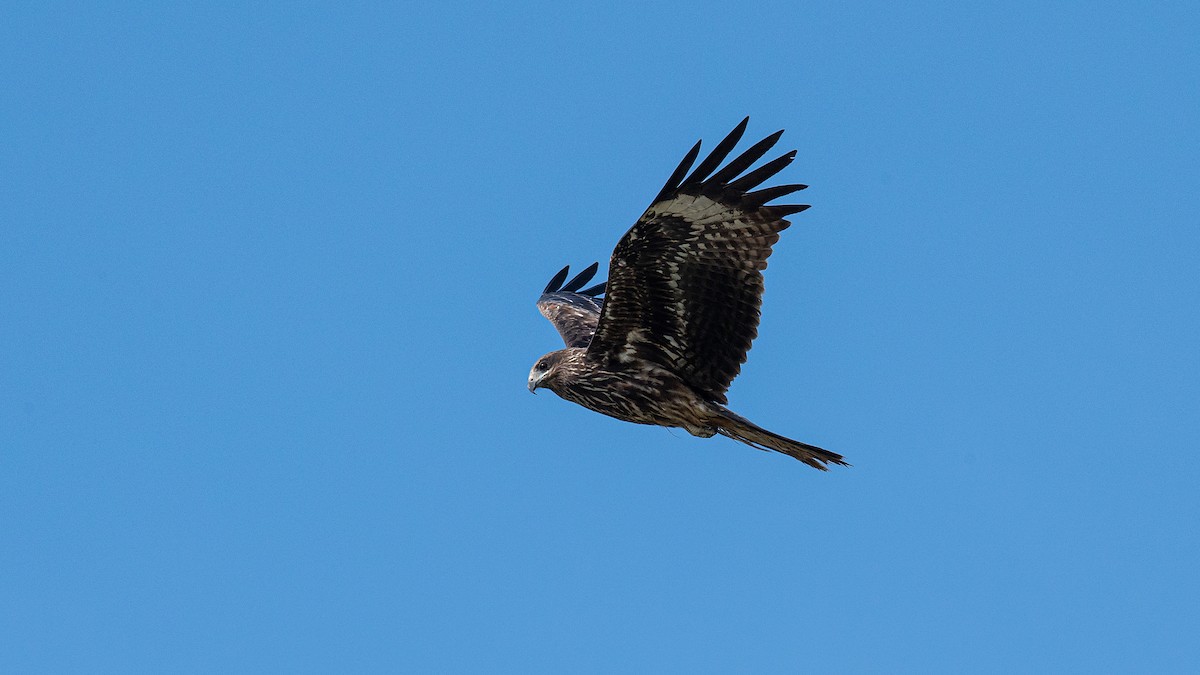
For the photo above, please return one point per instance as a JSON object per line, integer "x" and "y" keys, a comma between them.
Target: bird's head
{"x": 545, "y": 372}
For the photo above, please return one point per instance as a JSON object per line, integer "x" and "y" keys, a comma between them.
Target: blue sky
{"x": 267, "y": 278}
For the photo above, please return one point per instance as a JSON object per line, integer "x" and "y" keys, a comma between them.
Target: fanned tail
{"x": 733, "y": 425}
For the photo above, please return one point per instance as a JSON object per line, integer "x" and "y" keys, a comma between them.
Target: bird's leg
{"x": 702, "y": 432}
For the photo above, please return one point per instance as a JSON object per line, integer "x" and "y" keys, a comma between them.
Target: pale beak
{"x": 533, "y": 386}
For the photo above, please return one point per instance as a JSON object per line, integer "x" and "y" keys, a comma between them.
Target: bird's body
{"x": 681, "y": 305}
{"x": 639, "y": 392}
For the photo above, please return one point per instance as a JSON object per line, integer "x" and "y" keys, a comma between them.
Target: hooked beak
{"x": 535, "y": 380}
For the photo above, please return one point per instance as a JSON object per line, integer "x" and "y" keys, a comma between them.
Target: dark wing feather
{"x": 573, "y": 312}
{"x": 685, "y": 283}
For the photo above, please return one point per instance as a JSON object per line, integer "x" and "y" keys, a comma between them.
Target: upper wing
{"x": 685, "y": 282}
{"x": 572, "y": 311}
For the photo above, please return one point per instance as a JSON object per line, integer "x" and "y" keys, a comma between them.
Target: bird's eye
{"x": 542, "y": 365}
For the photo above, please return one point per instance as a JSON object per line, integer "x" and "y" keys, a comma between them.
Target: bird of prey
{"x": 681, "y": 305}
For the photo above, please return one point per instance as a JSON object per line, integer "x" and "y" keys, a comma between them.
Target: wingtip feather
{"x": 761, "y": 197}
{"x": 593, "y": 291}
{"x": 581, "y": 278}
{"x": 556, "y": 280}
{"x": 785, "y": 210}
{"x": 763, "y": 173}
{"x": 718, "y": 155}
{"x": 677, "y": 175}
{"x": 743, "y": 161}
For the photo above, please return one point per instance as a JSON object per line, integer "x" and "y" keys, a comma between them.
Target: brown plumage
{"x": 681, "y": 304}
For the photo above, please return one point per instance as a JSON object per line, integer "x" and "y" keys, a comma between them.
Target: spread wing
{"x": 685, "y": 282}
{"x": 573, "y": 312}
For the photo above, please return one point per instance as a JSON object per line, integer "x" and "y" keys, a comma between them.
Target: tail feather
{"x": 732, "y": 425}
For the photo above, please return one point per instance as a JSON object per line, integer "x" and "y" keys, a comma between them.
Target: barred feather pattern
{"x": 685, "y": 282}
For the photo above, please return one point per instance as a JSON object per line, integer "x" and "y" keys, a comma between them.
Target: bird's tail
{"x": 733, "y": 425}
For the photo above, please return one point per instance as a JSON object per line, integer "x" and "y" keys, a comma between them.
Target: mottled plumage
{"x": 572, "y": 311}
{"x": 681, "y": 304}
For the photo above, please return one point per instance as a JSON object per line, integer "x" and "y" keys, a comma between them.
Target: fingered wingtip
{"x": 557, "y": 280}
{"x": 580, "y": 279}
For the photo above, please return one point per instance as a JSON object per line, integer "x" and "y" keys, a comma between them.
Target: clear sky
{"x": 267, "y": 274}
